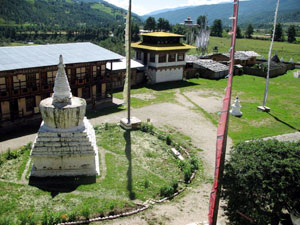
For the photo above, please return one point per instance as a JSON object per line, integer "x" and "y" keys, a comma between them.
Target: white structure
{"x": 66, "y": 141}
{"x": 163, "y": 56}
{"x": 297, "y": 74}
{"x": 236, "y": 108}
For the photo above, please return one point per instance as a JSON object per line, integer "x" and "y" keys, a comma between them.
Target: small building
{"x": 189, "y": 22}
{"x": 27, "y": 75}
{"x": 244, "y": 58}
{"x": 205, "y": 68}
{"x": 118, "y": 73}
{"x": 163, "y": 56}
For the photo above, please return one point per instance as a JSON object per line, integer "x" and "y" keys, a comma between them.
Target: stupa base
{"x": 65, "y": 152}
{"x": 134, "y": 123}
{"x": 263, "y": 108}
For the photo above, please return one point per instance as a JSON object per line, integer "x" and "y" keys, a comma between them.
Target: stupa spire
{"x": 62, "y": 91}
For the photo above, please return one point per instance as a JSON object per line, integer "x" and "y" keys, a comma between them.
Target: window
{"x": 30, "y": 103}
{"x": 80, "y": 73}
{"x": 51, "y": 77}
{"x": 103, "y": 68}
{"x": 139, "y": 55}
{"x": 162, "y": 58}
{"x": 180, "y": 57}
{"x": 152, "y": 57}
{"x": 2, "y": 84}
{"x": 86, "y": 93}
{"x": 19, "y": 81}
{"x": 172, "y": 57}
{"x": 94, "y": 71}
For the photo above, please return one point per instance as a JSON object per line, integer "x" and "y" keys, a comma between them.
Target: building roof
{"x": 243, "y": 55}
{"x": 162, "y": 47}
{"x": 22, "y": 57}
{"x": 207, "y": 63}
{"x": 121, "y": 65}
{"x": 251, "y": 53}
{"x": 162, "y": 34}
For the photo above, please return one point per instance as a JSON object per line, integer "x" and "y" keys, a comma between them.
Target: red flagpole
{"x": 223, "y": 129}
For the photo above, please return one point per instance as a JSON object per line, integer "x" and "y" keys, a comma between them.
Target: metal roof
{"x": 22, "y": 57}
{"x": 121, "y": 65}
{"x": 162, "y": 47}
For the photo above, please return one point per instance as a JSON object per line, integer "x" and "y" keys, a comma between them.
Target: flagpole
{"x": 128, "y": 57}
{"x": 264, "y": 107}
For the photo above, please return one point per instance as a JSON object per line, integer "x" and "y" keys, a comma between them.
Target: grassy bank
{"x": 137, "y": 166}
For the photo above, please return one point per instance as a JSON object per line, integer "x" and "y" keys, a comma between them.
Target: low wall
{"x": 262, "y": 73}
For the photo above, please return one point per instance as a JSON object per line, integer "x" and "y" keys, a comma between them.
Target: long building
{"x": 27, "y": 75}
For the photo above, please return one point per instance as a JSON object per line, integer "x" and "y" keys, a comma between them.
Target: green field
{"x": 283, "y": 100}
{"x": 283, "y": 49}
{"x": 138, "y": 166}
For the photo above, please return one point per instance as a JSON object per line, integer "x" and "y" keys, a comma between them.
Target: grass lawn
{"x": 283, "y": 49}
{"x": 138, "y": 165}
{"x": 283, "y": 100}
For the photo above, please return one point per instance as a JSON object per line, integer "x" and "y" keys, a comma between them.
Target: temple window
{"x": 172, "y": 57}
{"x": 162, "y": 58}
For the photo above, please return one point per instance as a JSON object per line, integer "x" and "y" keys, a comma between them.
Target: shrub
{"x": 72, "y": 216}
{"x": 194, "y": 162}
{"x": 146, "y": 184}
{"x": 168, "y": 140}
{"x": 261, "y": 180}
{"x": 147, "y": 128}
{"x": 85, "y": 212}
{"x": 5, "y": 221}
{"x": 166, "y": 191}
{"x": 10, "y": 155}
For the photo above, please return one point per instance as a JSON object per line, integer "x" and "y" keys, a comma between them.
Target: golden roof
{"x": 161, "y": 47}
{"x": 162, "y": 34}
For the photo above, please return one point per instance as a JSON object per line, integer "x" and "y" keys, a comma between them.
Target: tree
{"x": 202, "y": 22}
{"x": 150, "y": 24}
{"x": 238, "y": 32}
{"x": 163, "y": 24}
{"x": 135, "y": 30}
{"x": 278, "y": 33}
{"x": 291, "y": 34}
{"x": 249, "y": 31}
{"x": 217, "y": 28}
{"x": 261, "y": 182}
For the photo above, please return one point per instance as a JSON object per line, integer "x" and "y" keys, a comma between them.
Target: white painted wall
{"x": 169, "y": 75}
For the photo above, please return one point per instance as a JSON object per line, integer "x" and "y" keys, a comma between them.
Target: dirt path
{"x": 193, "y": 205}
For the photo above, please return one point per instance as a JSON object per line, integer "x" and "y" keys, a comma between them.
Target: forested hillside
{"x": 253, "y": 11}
{"x": 60, "y": 13}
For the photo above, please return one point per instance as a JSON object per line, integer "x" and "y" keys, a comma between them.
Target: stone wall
{"x": 261, "y": 73}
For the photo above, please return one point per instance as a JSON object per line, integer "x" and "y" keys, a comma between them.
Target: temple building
{"x": 163, "y": 56}
{"x": 27, "y": 75}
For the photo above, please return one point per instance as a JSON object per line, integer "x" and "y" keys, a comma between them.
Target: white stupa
{"x": 66, "y": 143}
{"x": 236, "y": 108}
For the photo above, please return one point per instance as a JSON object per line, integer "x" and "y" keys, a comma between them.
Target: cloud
{"x": 136, "y": 8}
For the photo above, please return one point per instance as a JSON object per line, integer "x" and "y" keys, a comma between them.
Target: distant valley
{"x": 253, "y": 11}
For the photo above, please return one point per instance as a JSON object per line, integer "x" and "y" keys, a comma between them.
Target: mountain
{"x": 61, "y": 13}
{"x": 256, "y": 11}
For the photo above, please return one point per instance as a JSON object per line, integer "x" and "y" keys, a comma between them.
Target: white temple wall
{"x": 169, "y": 75}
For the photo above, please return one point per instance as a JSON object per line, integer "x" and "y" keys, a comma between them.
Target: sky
{"x": 142, "y": 7}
